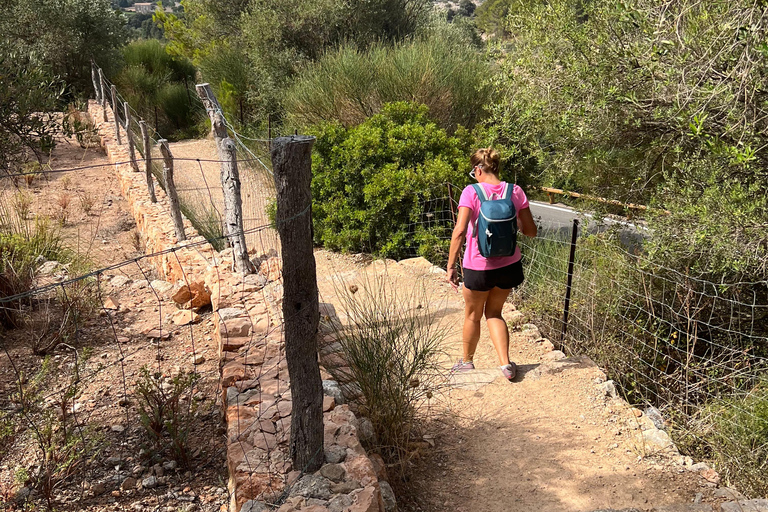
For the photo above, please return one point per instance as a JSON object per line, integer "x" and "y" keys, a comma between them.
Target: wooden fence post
{"x": 170, "y": 190}
{"x": 116, "y": 113}
{"x": 95, "y": 80}
{"x": 233, "y": 207}
{"x": 103, "y": 95}
{"x": 148, "y": 160}
{"x": 129, "y": 136}
{"x": 291, "y": 159}
{"x": 211, "y": 104}
{"x": 219, "y": 131}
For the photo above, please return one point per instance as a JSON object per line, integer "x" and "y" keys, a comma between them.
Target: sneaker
{"x": 509, "y": 371}
{"x": 463, "y": 366}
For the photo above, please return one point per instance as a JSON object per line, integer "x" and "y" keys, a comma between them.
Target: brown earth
{"x": 552, "y": 443}
{"x": 104, "y": 403}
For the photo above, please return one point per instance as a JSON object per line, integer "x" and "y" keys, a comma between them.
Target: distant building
{"x": 144, "y": 7}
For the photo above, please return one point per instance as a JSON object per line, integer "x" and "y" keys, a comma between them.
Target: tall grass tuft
{"x": 391, "y": 344}
{"x": 350, "y": 85}
{"x": 737, "y": 431}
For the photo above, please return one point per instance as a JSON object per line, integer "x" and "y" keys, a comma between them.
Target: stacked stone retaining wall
{"x": 256, "y": 395}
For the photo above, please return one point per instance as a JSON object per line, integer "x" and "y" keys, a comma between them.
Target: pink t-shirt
{"x": 472, "y": 258}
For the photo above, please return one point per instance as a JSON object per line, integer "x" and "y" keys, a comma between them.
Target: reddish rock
{"x": 235, "y": 327}
{"x": 379, "y": 467}
{"x": 158, "y": 334}
{"x": 284, "y": 408}
{"x": 264, "y": 441}
{"x": 328, "y": 403}
{"x": 367, "y": 500}
{"x": 361, "y": 469}
{"x": 232, "y": 343}
{"x": 231, "y": 373}
{"x": 239, "y": 413}
{"x": 111, "y": 303}
{"x": 185, "y": 317}
{"x": 181, "y": 295}
{"x": 271, "y": 269}
{"x": 254, "y": 485}
{"x": 236, "y": 454}
{"x": 333, "y": 360}
{"x": 710, "y": 475}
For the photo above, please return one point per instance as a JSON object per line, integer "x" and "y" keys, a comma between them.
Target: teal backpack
{"x": 496, "y": 227}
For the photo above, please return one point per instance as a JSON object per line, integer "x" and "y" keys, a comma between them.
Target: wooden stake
{"x": 170, "y": 190}
{"x": 95, "y": 80}
{"x": 129, "y": 136}
{"x": 116, "y": 113}
{"x": 233, "y": 207}
{"x": 103, "y": 94}
{"x": 148, "y": 160}
{"x": 291, "y": 158}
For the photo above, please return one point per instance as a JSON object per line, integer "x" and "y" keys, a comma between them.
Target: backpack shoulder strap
{"x": 507, "y": 192}
{"x": 482, "y": 195}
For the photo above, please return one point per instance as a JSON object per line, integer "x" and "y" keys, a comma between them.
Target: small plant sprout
{"x": 63, "y": 203}
{"x": 86, "y": 203}
{"x": 22, "y": 202}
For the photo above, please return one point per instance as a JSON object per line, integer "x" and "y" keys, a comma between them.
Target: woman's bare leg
{"x": 497, "y": 327}
{"x": 474, "y": 303}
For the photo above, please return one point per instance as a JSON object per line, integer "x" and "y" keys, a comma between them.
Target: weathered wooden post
{"x": 219, "y": 130}
{"x": 95, "y": 80}
{"x": 291, "y": 159}
{"x": 129, "y": 136}
{"x": 211, "y": 104}
{"x": 147, "y": 160}
{"x": 170, "y": 190}
{"x": 116, "y": 113}
{"x": 103, "y": 95}
{"x": 233, "y": 207}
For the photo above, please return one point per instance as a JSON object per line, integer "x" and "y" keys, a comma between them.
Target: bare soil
{"x": 95, "y": 223}
{"x": 552, "y": 443}
{"x": 542, "y": 443}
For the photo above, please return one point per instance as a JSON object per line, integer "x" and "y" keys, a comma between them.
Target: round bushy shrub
{"x": 381, "y": 186}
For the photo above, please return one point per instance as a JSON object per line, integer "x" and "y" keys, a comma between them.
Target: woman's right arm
{"x": 527, "y": 226}
{"x": 457, "y": 240}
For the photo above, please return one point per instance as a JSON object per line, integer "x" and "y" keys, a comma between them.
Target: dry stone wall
{"x": 256, "y": 394}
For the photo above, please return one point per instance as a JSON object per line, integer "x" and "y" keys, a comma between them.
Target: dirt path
{"x": 550, "y": 442}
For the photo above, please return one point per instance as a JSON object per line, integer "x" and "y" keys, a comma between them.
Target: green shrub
{"x": 374, "y": 185}
{"x": 166, "y": 411}
{"x": 737, "y": 431}
{"x": 391, "y": 344}
{"x": 158, "y": 87}
{"x": 439, "y": 69}
{"x": 21, "y": 244}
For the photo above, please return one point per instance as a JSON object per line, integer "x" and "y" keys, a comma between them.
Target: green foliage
{"x": 372, "y": 184}
{"x": 651, "y": 102}
{"x": 62, "y": 36}
{"x": 439, "y": 69}
{"x": 167, "y": 410}
{"x": 28, "y": 94}
{"x": 250, "y": 49}
{"x": 392, "y": 344}
{"x": 737, "y": 430}
{"x": 66, "y": 443}
{"x": 158, "y": 87}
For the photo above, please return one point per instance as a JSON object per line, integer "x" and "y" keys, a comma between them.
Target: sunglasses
{"x": 472, "y": 172}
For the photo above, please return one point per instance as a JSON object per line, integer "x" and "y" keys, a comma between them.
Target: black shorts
{"x": 505, "y": 278}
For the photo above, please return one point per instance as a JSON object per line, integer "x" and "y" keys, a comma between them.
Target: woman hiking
{"x": 488, "y": 278}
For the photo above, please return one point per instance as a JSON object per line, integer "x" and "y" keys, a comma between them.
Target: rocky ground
{"x": 134, "y": 324}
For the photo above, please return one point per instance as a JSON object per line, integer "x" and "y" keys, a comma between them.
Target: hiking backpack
{"x": 496, "y": 226}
